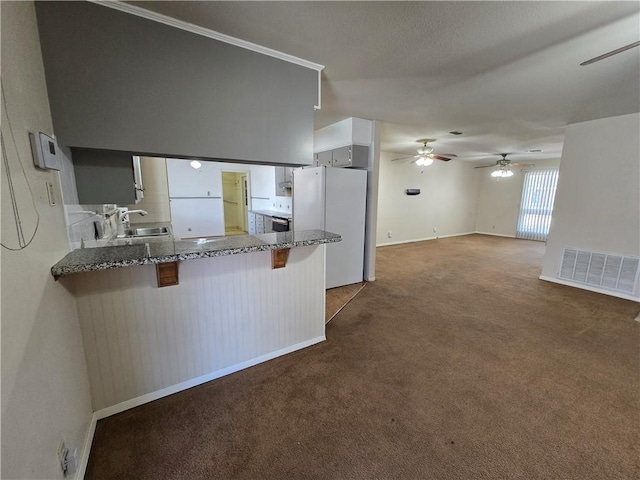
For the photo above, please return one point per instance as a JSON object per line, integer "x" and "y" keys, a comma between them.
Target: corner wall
{"x": 45, "y": 387}
{"x": 499, "y": 200}
{"x": 597, "y": 204}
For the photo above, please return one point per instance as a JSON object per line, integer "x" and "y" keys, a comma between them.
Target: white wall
{"x": 447, "y": 202}
{"x": 226, "y": 313}
{"x": 261, "y": 179}
{"x": 45, "y": 389}
{"x": 597, "y": 204}
{"x": 499, "y": 199}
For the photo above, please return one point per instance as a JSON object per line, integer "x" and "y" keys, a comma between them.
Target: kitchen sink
{"x": 148, "y": 232}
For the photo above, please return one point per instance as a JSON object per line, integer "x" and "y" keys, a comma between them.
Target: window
{"x": 536, "y": 206}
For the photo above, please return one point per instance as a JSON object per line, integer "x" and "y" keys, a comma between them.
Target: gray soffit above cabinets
{"x": 118, "y": 81}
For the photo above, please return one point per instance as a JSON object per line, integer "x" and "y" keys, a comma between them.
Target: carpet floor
{"x": 456, "y": 363}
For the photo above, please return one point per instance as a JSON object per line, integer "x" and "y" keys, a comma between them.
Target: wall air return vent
{"x": 604, "y": 270}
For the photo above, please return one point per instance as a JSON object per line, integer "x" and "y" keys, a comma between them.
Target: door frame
{"x": 245, "y": 191}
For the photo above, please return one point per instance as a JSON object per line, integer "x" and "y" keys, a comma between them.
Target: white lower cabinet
{"x": 259, "y": 223}
{"x": 197, "y": 217}
{"x": 252, "y": 223}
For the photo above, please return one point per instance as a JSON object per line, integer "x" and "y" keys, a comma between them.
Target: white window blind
{"x": 536, "y": 206}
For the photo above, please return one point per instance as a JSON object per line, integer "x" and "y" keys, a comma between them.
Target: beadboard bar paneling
{"x": 139, "y": 338}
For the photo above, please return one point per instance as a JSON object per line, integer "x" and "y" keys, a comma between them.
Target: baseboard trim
{"x": 86, "y": 448}
{"x": 164, "y": 392}
{"x": 590, "y": 288}
{"x": 423, "y": 239}
{"x": 495, "y": 234}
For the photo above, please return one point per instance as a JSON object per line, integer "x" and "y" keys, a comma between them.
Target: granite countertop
{"x": 274, "y": 213}
{"x": 152, "y": 250}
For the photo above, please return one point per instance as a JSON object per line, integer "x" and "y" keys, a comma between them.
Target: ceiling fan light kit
{"x": 502, "y": 173}
{"x": 424, "y": 161}
{"x": 425, "y": 150}
{"x": 425, "y": 155}
{"x": 502, "y": 168}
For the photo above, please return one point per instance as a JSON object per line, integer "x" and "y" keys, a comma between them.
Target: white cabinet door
{"x": 309, "y": 198}
{"x": 252, "y": 223}
{"x": 195, "y": 217}
{"x": 187, "y": 182}
{"x": 262, "y": 181}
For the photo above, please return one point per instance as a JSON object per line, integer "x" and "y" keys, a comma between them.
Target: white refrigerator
{"x": 195, "y": 199}
{"x": 334, "y": 199}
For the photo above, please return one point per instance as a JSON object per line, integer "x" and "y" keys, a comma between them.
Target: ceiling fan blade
{"x": 610, "y": 54}
{"x": 448, "y": 155}
{"x": 522, "y": 164}
{"x": 486, "y": 166}
{"x": 440, "y": 157}
{"x": 404, "y": 158}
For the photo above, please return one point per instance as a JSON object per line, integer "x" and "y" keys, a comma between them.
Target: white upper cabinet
{"x": 262, "y": 181}
{"x": 188, "y": 182}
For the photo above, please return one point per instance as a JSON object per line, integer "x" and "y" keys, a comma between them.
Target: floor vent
{"x": 604, "y": 270}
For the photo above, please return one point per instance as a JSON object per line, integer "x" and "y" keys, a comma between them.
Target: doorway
{"x": 235, "y": 199}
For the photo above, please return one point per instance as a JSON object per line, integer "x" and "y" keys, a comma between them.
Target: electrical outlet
{"x": 435, "y": 229}
{"x": 68, "y": 459}
{"x": 389, "y": 235}
{"x": 71, "y": 462}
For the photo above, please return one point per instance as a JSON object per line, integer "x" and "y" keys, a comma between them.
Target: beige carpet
{"x": 457, "y": 363}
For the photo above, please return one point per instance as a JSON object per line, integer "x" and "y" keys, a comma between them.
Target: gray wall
{"x": 121, "y": 82}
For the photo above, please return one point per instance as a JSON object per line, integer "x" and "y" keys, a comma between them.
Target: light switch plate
{"x": 50, "y": 194}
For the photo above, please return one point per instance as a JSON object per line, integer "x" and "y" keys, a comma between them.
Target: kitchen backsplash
{"x": 279, "y": 204}
{"x": 81, "y": 224}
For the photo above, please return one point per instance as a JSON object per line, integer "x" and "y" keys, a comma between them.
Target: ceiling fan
{"x": 503, "y": 166}
{"x": 610, "y": 54}
{"x": 425, "y": 155}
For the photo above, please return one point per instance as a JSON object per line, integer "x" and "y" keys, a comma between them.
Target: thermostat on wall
{"x": 45, "y": 151}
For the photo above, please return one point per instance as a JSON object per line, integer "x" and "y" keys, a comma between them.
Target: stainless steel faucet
{"x": 141, "y": 212}
{"x": 123, "y": 218}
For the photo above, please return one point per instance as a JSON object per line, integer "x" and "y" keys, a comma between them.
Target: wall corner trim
{"x": 424, "y": 239}
{"x": 205, "y": 32}
{"x": 495, "y": 234}
{"x": 86, "y": 448}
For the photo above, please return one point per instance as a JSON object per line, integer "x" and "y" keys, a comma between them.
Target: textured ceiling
{"x": 506, "y": 74}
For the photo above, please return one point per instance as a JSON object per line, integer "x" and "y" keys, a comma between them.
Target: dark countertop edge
{"x": 60, "y": 271}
